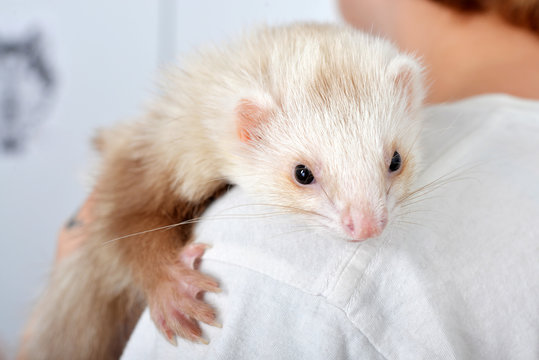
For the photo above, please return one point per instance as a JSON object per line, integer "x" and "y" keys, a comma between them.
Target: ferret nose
{"x": 362, "y": 224}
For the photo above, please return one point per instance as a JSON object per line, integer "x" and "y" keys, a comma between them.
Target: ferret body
{"x": 317, "y": 119}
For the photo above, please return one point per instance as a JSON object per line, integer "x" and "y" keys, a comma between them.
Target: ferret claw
{"x": 216, "y": 324}
{"x": 172, "y": 339}
{"x": 175, "y": 303}
{"x": 203, "y": 341}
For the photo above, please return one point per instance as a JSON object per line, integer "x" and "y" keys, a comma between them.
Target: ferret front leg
{"x": 165, "y": 268}
{"x": 146, "y": 208}
{"x": 176, "y": 301}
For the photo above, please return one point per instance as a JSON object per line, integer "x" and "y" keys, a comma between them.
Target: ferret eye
{"x": 304, "y": 176}
{"x": 395, "y": 162}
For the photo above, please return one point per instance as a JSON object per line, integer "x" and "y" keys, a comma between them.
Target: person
{"x": 491, "y": 48}
{"x": 456, "y": 278}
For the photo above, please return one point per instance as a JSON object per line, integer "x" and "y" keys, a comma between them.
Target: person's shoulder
{"x": 284, "y": 290}
{"x": 276, "y": 244}
{"x": 478, "y": 127}
{"x": 483, "y": 109}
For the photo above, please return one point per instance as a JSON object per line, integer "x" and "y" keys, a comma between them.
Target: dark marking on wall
{"x": 27, "y": 83}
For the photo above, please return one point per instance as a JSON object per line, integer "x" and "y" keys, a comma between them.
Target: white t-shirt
{"x": 456, "y": 277}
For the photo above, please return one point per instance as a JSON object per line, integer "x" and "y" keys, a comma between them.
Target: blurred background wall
{"x": 67, "y": 68}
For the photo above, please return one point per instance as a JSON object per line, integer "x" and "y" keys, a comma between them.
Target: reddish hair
{"x": 524, "y": 13}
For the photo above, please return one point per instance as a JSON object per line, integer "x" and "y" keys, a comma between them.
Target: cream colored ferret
{"x": 316, "y": 119}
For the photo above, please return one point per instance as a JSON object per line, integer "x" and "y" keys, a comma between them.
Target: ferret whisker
{"x": 166, "y": 227}
{"x": 298, "y": 230}
{"x": 416, "y": 211}
{"x": 407, "y": 222}
{"x": 289, "y": 209}
{"x": 293, "y": 209}
{"x": 236, "y": 216}
{"x": 389, "y": 188}
{"x": 196, "y": 220}
{"x": 447, "y": 178}
{"x": 418, "y": 199}
{"x": 411, "y": 148}
{"x": 327, "y": 195}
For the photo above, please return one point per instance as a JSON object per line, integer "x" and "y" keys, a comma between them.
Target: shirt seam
{"x": 322, "y": 296}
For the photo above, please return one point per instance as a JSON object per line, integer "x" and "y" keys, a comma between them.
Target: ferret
{"x": 320, "y": 120}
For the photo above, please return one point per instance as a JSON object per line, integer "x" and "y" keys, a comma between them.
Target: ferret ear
{"x": 250, "y": 115}
{"x": 407, "y": 74}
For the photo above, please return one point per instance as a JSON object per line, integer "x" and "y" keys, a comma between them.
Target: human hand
{"x": 71, "y": 236}
{"x": 74, "y": 232}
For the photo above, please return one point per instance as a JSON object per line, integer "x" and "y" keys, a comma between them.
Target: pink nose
{"x": 362, "y": 224}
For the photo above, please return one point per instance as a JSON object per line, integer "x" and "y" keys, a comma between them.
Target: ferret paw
{"x": 176, "y": 304}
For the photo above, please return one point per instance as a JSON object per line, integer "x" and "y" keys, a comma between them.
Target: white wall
{"x": 105, "y": 54}
{"x": 204, "y": 21}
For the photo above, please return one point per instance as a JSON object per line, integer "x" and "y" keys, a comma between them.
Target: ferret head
{"x": 336, "y": 140}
